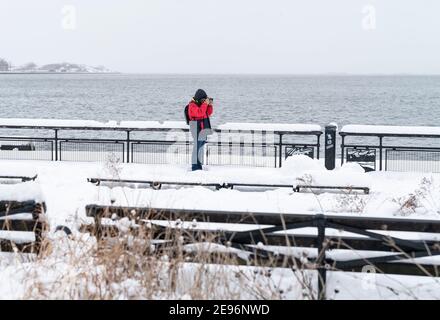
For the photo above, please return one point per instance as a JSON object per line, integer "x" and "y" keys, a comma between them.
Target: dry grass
{"x": 131, "y": 266}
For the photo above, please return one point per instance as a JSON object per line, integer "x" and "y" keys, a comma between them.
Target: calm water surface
{"x": 396, "y": 100}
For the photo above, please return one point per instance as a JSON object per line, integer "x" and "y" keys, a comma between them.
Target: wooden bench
{"x": 21, "y": 178}
{"x": 157, "y": 185}
{"x": 19, "y": 217}
{"x": 394, "y": 251}
{"x": 300, "y": 187}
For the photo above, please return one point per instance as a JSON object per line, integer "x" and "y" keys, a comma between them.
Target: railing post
{"x": 219, "y": 148}
{"x": 230, "y": 148}
{"x": 330, "y": 146}
{"x": 380, "y": 153}
{"x": 56, "y": 144}
{"x": 321, "y": 259}
{"x": 280, "y": 146}
{"x": 206, "y": 152}
{"x": 318, "y": 145}
{"x": 342, "y": 149}
{"x": 128, "y": 146}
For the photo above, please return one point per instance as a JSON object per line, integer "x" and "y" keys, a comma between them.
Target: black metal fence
{"x": 22, "y": 148}
{"x": 393, "y": 151}
{"x": 375, "y": 149}
{"x": 405, "y": 159}
{"x": 89, "y": 150}
{"x": 160, "y": 152}
{"x": 76, "y": 143}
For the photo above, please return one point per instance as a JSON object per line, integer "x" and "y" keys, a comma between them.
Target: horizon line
{"x": 230, "y": 73}
{"x": 286, "y": 74}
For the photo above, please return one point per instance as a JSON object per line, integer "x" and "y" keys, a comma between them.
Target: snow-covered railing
{"x": 111, "y": 125}
{"x": 394, "y": 131}
{"x": 271, "y": 127}
{"x": 393, "y": 156}
{"x": 152, "y": 125}
{"x": 251, "y": 144}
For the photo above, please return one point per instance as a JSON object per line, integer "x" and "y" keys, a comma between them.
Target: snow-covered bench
{"x": 21, "y": 226}
{"x": 157, "y": 185}
{"x": 20, "y": 178}
{"x": 300, "y": 187}
{"x": 318, "y": 242}
{"x": 11, "y": 173}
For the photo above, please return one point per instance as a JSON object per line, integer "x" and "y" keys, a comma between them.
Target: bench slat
{"x": 361, "y": 222}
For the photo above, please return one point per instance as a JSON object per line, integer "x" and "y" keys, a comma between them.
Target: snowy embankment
{"x": 64, "y": 188}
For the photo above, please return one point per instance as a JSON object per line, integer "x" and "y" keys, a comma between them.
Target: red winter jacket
{"x": 201, "y": 112}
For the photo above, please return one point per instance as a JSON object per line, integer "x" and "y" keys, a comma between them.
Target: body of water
{"x": 393, "y": 100}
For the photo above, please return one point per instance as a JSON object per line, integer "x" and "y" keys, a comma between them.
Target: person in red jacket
{"x": 199, "y": 110}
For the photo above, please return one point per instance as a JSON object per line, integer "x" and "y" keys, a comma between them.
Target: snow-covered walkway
{"x": 64, "y": 188}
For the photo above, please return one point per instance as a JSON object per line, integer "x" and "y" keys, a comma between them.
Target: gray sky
{"x": 227, "y": 36}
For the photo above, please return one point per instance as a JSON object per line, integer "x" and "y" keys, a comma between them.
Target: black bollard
{"x": 330, "y": 146}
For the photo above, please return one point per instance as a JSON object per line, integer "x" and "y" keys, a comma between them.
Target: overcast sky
{"x": 227, "y": 36}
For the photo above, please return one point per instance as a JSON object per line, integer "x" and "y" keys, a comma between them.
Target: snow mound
{"x": 352, "y": 167}
{"x": 311, "y": 172}
{"x": 300, "y": 163}
{"x": 345, "y": 178}
{"x": 11, "y": 169}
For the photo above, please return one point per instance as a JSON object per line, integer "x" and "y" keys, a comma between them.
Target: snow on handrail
{"x": 150, "y": 125}
{"x": 390, "y": 130}
{"x": 90, "y": 124}
{"x": 278, "y": 127}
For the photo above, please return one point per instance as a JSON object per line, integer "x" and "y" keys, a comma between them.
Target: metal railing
{"x": 75, "y": 143}
{"x": 150, "y": 143}
{"x": 416, "y": 154}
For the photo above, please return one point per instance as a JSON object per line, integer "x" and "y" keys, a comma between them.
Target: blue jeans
{"x": 198, "y": 146}
{"x": 198, "y": 155}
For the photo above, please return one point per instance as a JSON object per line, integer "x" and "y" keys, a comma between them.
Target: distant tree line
{"x": 4, "y": 65}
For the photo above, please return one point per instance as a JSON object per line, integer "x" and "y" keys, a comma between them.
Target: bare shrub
{"x": 350, "y": 202}
{"x": 133, "y": 264}
{"x": 425, "y": 196}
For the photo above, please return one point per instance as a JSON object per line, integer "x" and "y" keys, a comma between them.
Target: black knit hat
{"x": 200, "y": 95}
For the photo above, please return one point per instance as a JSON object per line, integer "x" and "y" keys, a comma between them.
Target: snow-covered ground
{"x": 64, "y": 188}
